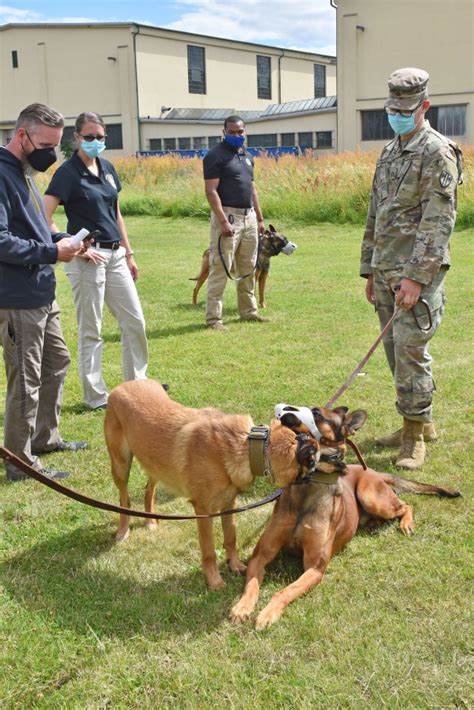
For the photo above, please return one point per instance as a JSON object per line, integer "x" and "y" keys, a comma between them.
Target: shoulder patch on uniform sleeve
{"x": 445, "y": 178}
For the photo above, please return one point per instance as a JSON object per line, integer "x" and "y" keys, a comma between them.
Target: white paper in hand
{"x": 76, "y": 239}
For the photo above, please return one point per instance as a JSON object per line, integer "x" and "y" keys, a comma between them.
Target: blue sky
{"x": 306, "y": 24}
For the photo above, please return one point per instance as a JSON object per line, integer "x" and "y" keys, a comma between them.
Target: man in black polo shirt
{"x": 236, "y": 222}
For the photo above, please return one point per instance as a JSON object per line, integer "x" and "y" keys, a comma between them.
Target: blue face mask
{"x": 402, "y": 124}
{"x": 234, "y": 141}
{"x": 93, "y": 148}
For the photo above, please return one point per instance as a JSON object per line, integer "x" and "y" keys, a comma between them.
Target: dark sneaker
{"x": 14, "y": 474}
{"x": 257, "y": 319}
{"x": 63, "y": 446}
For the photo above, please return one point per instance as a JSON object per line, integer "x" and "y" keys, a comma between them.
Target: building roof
{"x": 50, "y": 25}
{"x": 217, "y": 115}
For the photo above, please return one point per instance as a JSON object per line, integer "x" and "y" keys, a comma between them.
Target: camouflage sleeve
{"x": 368, "y": 238}
{"x": 438, "y": 183}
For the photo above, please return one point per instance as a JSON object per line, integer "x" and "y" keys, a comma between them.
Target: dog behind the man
{"x": 271, "y": 243}
{"x": 200, "y": 454}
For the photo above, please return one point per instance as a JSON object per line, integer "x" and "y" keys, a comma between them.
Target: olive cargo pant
{"x": 406, "y": 345}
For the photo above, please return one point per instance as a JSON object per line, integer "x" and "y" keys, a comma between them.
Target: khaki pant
{"x": 239, "y": 251}
{"x": 112, "y": 283}
{"x": 36, "y": 363}
{"x": 406, "y": 346}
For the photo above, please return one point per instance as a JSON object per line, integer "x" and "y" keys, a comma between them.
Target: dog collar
{"x": 258, "y": 438}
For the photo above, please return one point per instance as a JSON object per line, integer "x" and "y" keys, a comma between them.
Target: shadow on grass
{"x": 86, "y": 592}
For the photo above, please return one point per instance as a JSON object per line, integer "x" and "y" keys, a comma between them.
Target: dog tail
{"x": 404, "y": 485}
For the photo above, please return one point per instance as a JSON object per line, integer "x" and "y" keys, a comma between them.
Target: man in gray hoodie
{"x": 35, "y": 354}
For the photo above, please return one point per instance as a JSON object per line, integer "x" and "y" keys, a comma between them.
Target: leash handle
{"x": 101, "y": 505}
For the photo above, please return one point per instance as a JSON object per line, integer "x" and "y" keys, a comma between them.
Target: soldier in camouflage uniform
{"x": 411, "y": 216}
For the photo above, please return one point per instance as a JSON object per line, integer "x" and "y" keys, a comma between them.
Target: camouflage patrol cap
{"x": 407, "y": 88}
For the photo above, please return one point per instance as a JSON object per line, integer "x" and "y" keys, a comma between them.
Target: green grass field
{"x": 86, "y": 623}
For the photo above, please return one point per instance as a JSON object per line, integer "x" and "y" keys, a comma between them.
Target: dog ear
{"x": 272, "y": 228}
{"x": 342, "y": 411}
{"x": 292, "y": 422}
{"x": 355, "y": 420}
{"x": 317, "y": 416}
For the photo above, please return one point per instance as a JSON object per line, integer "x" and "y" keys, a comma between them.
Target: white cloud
{"x": 306, "y": 24}
{"x": 13, "y": 14}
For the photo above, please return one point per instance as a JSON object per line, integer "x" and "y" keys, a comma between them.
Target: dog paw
{"x": 407, "y": 528}
{"x": 121, "y": 535}
{"x": 215, "y": 582}
{"x": 267, "y": 617}
{"x": 151, "y": 526}
{"x": 237, "y": 566}
{"x": 239, "y": 613}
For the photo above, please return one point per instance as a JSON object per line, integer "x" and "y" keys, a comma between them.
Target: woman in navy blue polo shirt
{"x": 88, "y": 187}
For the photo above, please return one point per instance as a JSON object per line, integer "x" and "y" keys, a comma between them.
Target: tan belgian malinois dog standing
{"x": 201, "y": 454}
{"x": 319, "y": 517}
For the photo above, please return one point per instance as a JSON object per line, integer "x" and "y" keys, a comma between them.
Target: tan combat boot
{"x": 413, "y": 450}
{"x": 395, "y": 438}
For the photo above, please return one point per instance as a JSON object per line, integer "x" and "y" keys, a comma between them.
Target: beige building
{"x": 375, "y": 37}
{"x": 159, "y": 88}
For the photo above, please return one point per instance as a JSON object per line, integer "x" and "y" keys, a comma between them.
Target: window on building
{"x": 264, "y": 77}
{"x": 324, "y": 139}
{"x": 184, "y": 143}
{"x": 213, "y": 140}
{"x": 169, "y": 143}
{"x": 263, "y": 140}
{"x": 199, "y": 142}
{"x": 375, "y": 126}
{"x": 114, "y": 140}
{"x": 319, "y": 81}
{"x": 305, "y": 139}
{"x": 448, "y": 120}
{"x": 196, "y": 70}
{"x": 155, "y": 144}
{"x": 14, "y": 59}
{"x": 288, "y": 139}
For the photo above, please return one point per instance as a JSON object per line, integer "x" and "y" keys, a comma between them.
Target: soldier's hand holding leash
{"x": 407, "y": 293}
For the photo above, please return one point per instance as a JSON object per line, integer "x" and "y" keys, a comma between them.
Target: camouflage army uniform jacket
{"x": 412, "y": 206}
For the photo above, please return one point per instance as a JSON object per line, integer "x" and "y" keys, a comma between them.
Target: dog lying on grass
{"x": 201, "y": 454}
{"x": 271, "y": 243}
{"x": 319, "y": 518}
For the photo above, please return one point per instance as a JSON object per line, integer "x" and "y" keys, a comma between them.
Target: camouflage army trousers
{"x": 406, "y": 345}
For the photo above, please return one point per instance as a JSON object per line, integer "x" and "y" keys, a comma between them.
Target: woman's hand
{"x": 132, "y": 266}
{"x": 92, "y": 255}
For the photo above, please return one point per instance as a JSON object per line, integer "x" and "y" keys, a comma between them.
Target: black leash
{"x": 101, "y": 505}
{"x": 229, "y": 276}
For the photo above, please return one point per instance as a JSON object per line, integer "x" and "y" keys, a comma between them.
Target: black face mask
{"x": 41, "y": 159}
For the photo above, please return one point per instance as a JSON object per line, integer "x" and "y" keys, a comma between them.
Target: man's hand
{"x": 92, "y": 255}
{"x": 261, "y": 226}
{"x": 226, "y": 228}
{"x": 369, "y": 290}
{"x": 408, "y": 293}
{"x": 66, "y": 250}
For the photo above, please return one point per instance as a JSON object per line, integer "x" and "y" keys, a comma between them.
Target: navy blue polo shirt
{"x": 89, "y": 200}
{"x": 234, "y": 168}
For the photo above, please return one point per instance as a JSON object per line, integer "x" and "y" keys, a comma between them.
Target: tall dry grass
{"x": 306, "y": 189}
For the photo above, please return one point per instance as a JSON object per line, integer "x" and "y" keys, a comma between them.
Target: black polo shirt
{"x": 234, "y": 168}
{"x": 89, "y": 200}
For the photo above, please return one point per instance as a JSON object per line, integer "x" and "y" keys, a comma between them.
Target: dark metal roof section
{"x": 300, "y": 106}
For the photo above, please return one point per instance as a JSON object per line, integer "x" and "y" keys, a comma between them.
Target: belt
{"x": 107, "y": 245}
{"x": 239, "y": 210}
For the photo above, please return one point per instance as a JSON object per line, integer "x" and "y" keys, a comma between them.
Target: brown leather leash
{"x": 361, "y": 364}
{"x": 101, "y": 505}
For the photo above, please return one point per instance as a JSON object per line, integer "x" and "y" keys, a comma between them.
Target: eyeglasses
{"x": 406, "y": 114}
{"x": 91, "y": 138}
